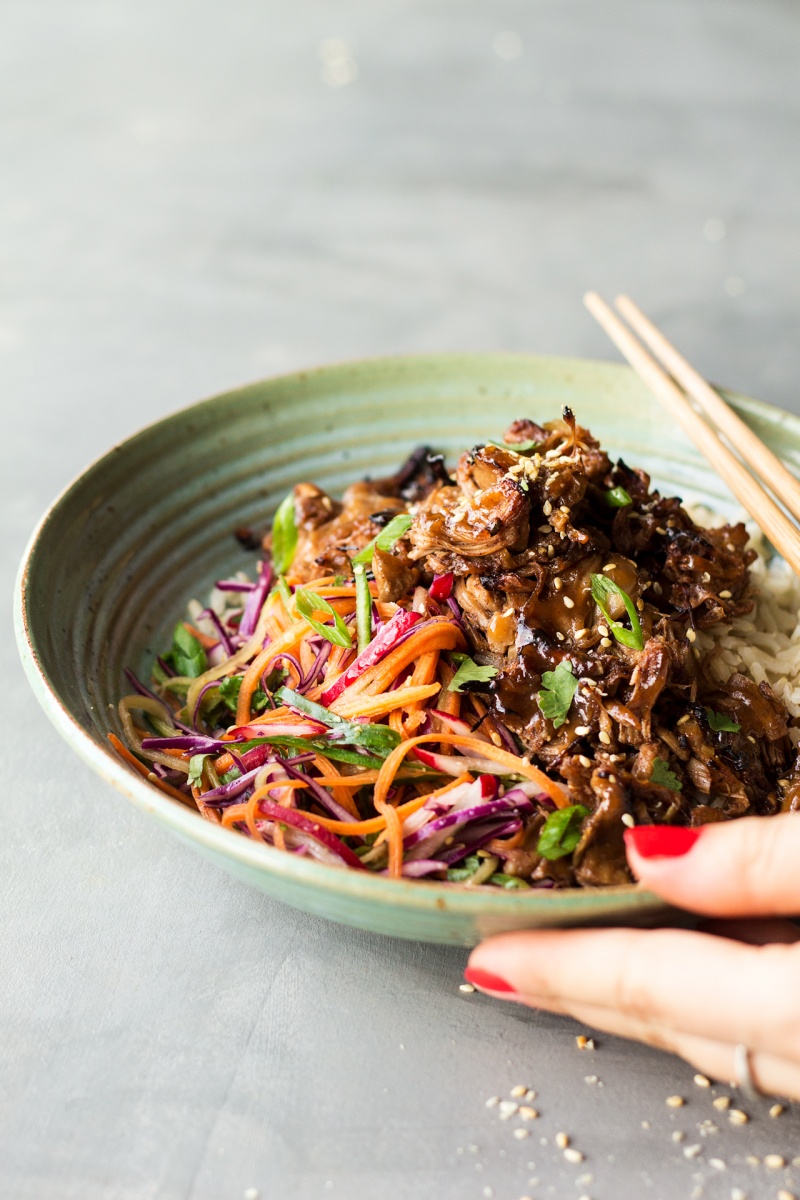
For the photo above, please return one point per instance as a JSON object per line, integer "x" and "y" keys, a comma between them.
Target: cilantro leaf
{"x": 720, "y": 723}
{"x": 309, "y": 603}
{"x": 617, "y": 497}
{"x": 196, "y": 763}
{"x": 602, "y": 590}
{"x": 229, "y": 693}
{"x": 284, "y": 535}
{"x": 188, "y": 656}
{"x": 558, "y": 689}
{"x": 469, "y": 672}
{"x": 519, "y": 447}
{"x": 664, "y": 776}
{"x": 561, "y": 832}
{"x": 386, "y": 539}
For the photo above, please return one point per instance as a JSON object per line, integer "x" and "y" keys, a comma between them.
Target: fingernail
{"x": 661, "y": 841}
{"x": 486, "y": 981}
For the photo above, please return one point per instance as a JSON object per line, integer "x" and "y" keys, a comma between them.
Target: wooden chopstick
{"x": 759, "y": 457}
{"x": 780, "y": 530}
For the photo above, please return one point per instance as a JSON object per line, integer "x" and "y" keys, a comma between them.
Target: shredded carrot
{"x": 394, "y": 834}
{"x": 133, "y": 761}
{"x": 330, "y": 777}
{"x": 287, "y": 644}
{"x": 443, "y": 635}
{"x": 205, "y": 641}
{"x": 378, "y": 706}
{"x": 516, "y": 766}
{"x": 376, "y": 824}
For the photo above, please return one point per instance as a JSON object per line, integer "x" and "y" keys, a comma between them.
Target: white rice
{"x": 765, "y": 644}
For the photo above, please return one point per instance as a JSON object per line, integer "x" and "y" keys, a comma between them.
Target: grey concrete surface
{"x": 193, "y": 195}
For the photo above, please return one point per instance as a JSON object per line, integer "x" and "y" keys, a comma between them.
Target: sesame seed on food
{"x": 519, "y": 1090}
{"x": 675, "y": 1101}
{"x": 774, "y": 1161}
{"x": 574, "y": 1156}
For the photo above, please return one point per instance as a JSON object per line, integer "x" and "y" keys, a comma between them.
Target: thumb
{"x": 747, "y": 867}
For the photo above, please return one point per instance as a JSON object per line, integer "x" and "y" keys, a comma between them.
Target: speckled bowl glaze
{"x": 148, "y": 526}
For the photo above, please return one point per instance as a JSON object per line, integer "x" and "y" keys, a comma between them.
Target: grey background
{"x": 190, "y": 198}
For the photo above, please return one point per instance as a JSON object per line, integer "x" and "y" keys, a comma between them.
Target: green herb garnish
{"x": 309, "y": 603}
{"x": 363, "y": 607}
{"x": 720, "y": 723}
{"x": 519, "y": 447}
{"x": 561, "y": 832}
{"x": 229, "y": 694}
{"x": 602, "y": 590}
{"x": 284, "y": 535}
{"x": 664, "y": 776}
{"x": 617, "y": 497}
{"x": 196, "y": 763}
{"x": 386, "y": 538}
{"x": 188, "y": 656}
{"x": 464, "y": 870}
{"x": 557, "y": 692}
{"x": 468, "y": 672}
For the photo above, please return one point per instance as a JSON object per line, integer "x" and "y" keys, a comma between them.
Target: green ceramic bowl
{"x": 149, "y": 525}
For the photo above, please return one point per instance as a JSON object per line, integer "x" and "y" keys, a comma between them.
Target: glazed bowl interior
{"x": 149, "y": 526}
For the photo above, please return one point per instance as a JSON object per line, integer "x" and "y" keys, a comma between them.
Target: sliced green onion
{"x": 386, "y": 538}
{"x": 309, "y": 603}
{"x": 617, "y": 497}
{"x": 284, "y": 535}
{"x": 602, "y": 590}
{"x": 363, "y": 607}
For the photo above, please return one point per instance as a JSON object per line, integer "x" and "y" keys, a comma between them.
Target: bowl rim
{"x": 188, "y": 824}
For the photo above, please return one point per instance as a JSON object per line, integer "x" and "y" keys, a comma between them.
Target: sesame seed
{"x": 468, "y": 988}
{"x": 604, "y": 738}
{"x": 507, "y": 1109}
{"x": 691, "y": 635}
{"x": 738, "y": 1194}
{"x": 645, "y": 1124}
{"x": 660, "y": 530}
{"x": 545, "y": 529}
{"x": 550, "y": 551}
{"x": 496, "y": 739}
{"x": 691, "y": 1151}
{"x": 706, "y": 578}
{"x": 678, "y": 1135}
{"x": 584, "y": 1180}
{"x": 722, "y": 1102}
{"x": 488, "y": 1193}
{"x": 602, "y": 630}
{"x": 584, "y": 761}
{"x": 718, "y": 1164}
{"x": 527, "y": 1113}
{"x": 605, "y": 642}
{"x": 530, "y": 1094}
{"x": 682, "y": 721}
{"x": 737, "y": 1117}
{"x": 730, "y": 546}
{"x": 752, "y": 1161}
{"x": 547, "y": 508}
{"x": 640, "y": 605}
{"x": 628, "y": 820}
{"x": 573, "y": 1156}
{"x": 702, "y": 1081}
{"x": 775, "y": 1161}
{"x": 518, "y": 1091}
{"x": 521, "y": 1134}
{"x": 557, "y": 584}
{"x": 562, "y": 1140}
{"x": 726, "y": 595}
{"x": 657, "y": 588}
{"x": 776, "y": 1110}
{"x": 610, "y": 567}
{"x": 250, "y": 1194}
{"x": 582, "y": 730}
{"x": 493, "y": 1102}
{"x": 784, "y": 1195}
{"x": 568, "y": 602}
{"x": 579, "y": 633}
{"x": 590, "y": 1079}
{"x": 560, "y": 637}
{"x": 675, "y": 1102}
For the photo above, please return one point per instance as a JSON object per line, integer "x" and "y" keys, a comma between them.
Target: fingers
{"x": 735, "y": 868}
{"x": 773, "y": 1074}
{"x": 699, "y": 985}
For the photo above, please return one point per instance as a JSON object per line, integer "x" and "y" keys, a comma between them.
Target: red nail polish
{"x": 486, "y": 980}
{"x": 661, "y": 841}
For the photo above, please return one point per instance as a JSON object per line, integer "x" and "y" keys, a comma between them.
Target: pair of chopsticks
{"x": 772, "y": 520}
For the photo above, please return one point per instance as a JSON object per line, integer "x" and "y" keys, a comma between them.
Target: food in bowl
{"x": 480, "y": 678}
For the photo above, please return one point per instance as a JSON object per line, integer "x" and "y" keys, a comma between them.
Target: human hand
{"x": 698, "y": 994}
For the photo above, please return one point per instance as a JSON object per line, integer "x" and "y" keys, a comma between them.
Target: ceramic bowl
{"x": 114, "y": 561}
